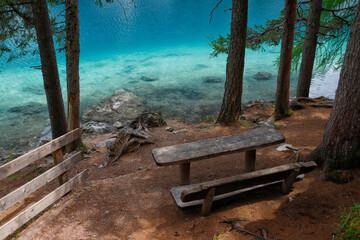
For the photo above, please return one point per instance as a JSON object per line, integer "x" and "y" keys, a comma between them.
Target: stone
{"x": 149, "y": 79}
{"x": 180, "y": 131}
{"x": 263, "y": 76}
{"x": 44, "y": 139}
{"x": 212, "y": 79}
{"x": 284, "y": 147}
{"x": 121, "y": 107}
{"x": 98, "y": 127}
{"x": 169, "y": 129}
{"x": 243, "y": 117}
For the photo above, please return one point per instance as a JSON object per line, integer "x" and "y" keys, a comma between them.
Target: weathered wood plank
{"x": 249, "y": 163}
{"x": 176, "y": 194}
{"x": 289, "y": 181}
{"x": 59, "y": 158}
{"x": 184, "y": 173}
{"x": 206, "y": 207}
{"x": 35, "y": 209}
{"x": 247, "y": 180}
{"x": 25, "y": 190}
{"x": 38, "y": 153}
{"x": 245, "y": 141}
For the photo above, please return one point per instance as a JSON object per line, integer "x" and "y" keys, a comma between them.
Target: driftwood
{"x": 235, "y": 226}
{"x": 128, "y": 140}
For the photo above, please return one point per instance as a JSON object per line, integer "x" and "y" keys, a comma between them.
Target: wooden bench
{"x": 249, "y": 141}
{"x": 207, "y": 192}
{"x": 59, "y": 170}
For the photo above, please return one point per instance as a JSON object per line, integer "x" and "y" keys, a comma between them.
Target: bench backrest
{"x": 231, "y": 184}
{"x": 244, "y": 141}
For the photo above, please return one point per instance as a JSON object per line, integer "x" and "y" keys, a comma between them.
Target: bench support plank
{"x": 289, "y": 181}
{"x": 184, "y": 173}
{"x": 250, "y": 158}
{"x": 206, "y": 207}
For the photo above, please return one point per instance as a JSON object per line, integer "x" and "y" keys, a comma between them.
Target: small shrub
{"x": 243, "y": 124}
{"x": 11, "y": 157}
{"x": 349, "y": 228}
{"x": 276, "y": 125}
{"x": 83, "y": 147}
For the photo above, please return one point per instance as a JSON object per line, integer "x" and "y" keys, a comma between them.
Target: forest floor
{"x": 131, "y": 199}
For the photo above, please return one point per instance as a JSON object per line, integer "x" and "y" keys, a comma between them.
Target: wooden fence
{"x": 59, "y": 170}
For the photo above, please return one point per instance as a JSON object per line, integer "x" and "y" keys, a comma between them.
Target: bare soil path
{"x": 131, "y": 199}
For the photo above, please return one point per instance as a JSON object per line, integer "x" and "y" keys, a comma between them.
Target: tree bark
{"x": 49, "y": 68}
{"x": 340, "y": 147}
{"x": 231, "y": 105}
{"x": 287, "y": 41}
{"x": 309, "y": 48}
{"x": 72, "y": 66}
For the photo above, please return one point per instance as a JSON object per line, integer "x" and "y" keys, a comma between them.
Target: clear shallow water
{"x": 167, "y": 40}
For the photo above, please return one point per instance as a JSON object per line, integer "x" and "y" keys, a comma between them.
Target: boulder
{"x": 212, "y": 79}
{"x": 98, "y": 127}
{"x": 149, "y": 119}
{"x": 263, "y": 76}
{"x": 121, "y": 107}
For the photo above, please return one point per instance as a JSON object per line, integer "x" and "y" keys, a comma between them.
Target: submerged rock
{"x": 121, "y": 107}
{"x": 263, "y": 76}
{"x": 149, "y": 79}
{"x": 29, "y": 109}
{"x": 34, "y": 89}
{"x": 212, "y": 79}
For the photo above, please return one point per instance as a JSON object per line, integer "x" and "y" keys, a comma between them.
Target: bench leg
{"x": 184, "y": 173}
{"x": 206, "y": 207}
{"x": 250, "y": 157}
{"x": 289, "y": 181}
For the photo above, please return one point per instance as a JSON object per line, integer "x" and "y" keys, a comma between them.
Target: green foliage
{"x": 333, "y": 34}
{"x": 276, "y": 125}
{"x": 11, "y": 157}
{"x": 17, "y": 32}
{"x": 220, "y": 45}
{"x": 83, "y": 147}
{"x": 349, "y": 228}
{"x": 243, "y": 124}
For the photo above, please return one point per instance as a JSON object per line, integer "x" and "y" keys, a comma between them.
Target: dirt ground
{"x": 131, "y": 199}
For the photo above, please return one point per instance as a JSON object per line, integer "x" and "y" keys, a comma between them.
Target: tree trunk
{"x": 72, "y": 66}
{"x": 340, "y": 147}
{"x": 287, "y": 41}
{"x": 309, "y": 48}
{"x": 231, "y": 105}
{"x": 49, "y": 68}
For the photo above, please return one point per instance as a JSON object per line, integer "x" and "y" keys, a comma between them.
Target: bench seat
{"x": 248, "y": 142}
{"x": 196, "y": 194}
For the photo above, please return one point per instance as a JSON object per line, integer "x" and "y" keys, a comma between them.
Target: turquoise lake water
{"x": 163, "y": 39}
